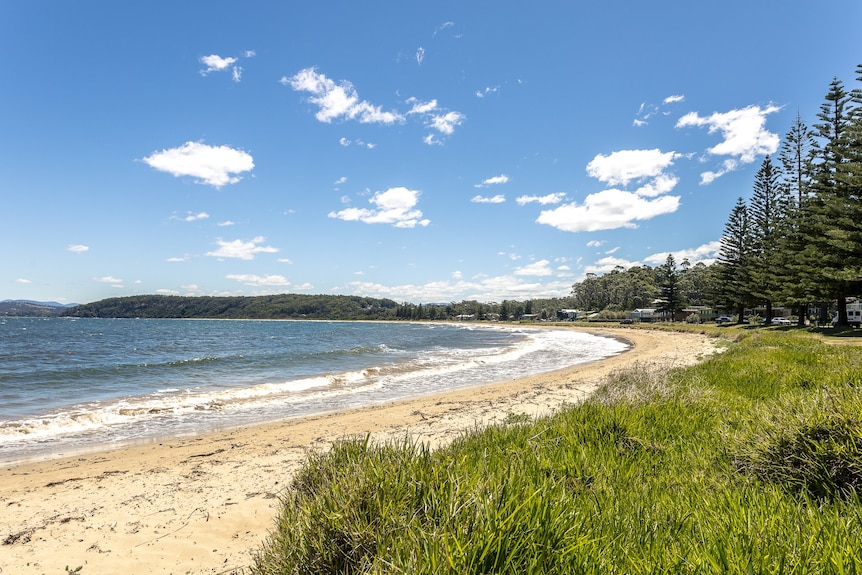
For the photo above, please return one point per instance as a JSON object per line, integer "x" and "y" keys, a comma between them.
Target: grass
{"x": 750, "y": 462}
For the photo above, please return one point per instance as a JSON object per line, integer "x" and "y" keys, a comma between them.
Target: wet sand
{"x": 203, "y": 505}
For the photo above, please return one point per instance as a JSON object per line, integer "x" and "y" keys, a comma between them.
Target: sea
{"x": 75, "y": 385}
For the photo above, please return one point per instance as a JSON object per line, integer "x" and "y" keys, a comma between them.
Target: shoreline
{"x": 204, "y": 504}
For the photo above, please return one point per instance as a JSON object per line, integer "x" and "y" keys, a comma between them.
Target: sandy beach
{"x": 203, "y": 505}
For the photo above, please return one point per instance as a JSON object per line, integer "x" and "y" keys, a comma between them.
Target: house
{"x": 706, "y": 314}
{"x": 567, "y": 314}
{"x": 645, "y": 314}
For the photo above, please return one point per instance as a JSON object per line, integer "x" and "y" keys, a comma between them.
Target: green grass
{"x": 750, "y": 462}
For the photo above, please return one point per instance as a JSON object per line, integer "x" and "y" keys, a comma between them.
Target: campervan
{"x": 854, "y": 314}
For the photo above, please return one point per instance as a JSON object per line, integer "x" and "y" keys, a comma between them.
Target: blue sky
{"x": 419, "y": 151}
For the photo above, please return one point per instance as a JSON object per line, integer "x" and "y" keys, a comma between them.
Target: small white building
{"x": 645, "y": 314}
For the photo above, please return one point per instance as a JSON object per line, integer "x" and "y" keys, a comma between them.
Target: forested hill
{"x": 283, "y": 306}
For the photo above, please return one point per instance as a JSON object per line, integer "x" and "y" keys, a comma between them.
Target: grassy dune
{"x": 750, "y": 462}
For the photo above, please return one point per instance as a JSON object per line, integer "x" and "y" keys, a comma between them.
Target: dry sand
{"x": 204, "y": 504}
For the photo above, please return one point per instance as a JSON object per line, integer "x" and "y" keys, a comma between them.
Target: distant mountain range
{"x": 23, "y": 307}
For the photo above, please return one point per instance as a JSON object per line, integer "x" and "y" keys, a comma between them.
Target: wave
{"x": 370, "y": 373}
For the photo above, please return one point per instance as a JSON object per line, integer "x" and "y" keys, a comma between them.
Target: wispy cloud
{"x": 539, "y": 268}
{"x": 192, "y": 217}
{"x": 486, "y": 91}
{"x": 395, "y": 206}
{"x": 647, "y": 111}
{"x": 77, "y": 248}
{"x": 258, "y": 280}
{"x": 338, "y": 100}
{"x": 744, "y": 134}
{"x": 498, "y": 199}
{"x": 705, "y": 253}
{"x": 547, "y": 199}
{"x": 420, "y": 55}
{"x": 493, "y": 181}
{"x": 216, "y": 63}
{"x": 240, "y": 249}
{"x": 212, "y": 165}
{"x": 115, "y": 282}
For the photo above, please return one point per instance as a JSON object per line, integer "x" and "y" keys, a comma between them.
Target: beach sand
{"x": 204, "y": 504}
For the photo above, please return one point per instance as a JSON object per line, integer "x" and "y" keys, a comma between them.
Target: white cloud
{"x": 607, "y": 264}
{"x": 706, "y": 254}
{"x": 486, "y": 91}
{"x": 420, "y": 107}
{"x": 443, "y": 26}
{"x": 539, "y": 268}
{"x": 613, "y": 250}
{"x": 176, "y": 259}
{"x": 661, "y": 184}
{"x": 446, "y": 123}
{"x": 394, "y": 206}
{"x": 498, "y": 199}
{"x": 284, "y": 261}
{"x": 22, "y": 281}
{"x": 501, "y": 179}
{"x": 595, "y": 243}
{"x": 673, "y": 99}
{"x": 213, "y": 165}
{"x": 495, "y": 288}
{"x": 77, "y": 248}
{"x": 420, "y": 55}
{"x": 607, "y": 210}
{"x": 240, "y": 249}
{"x": 259, "y": 281}
{"x": 625, "y": 166}
{"x": 341, "y": 180}
{"x": 249, "y": 53}
{"x": 192, "y": 217}
{"x": 215, "y": 63}
{"x": 744, "y": 134}
{"x": 225, "y": 224}
{"x": 116, "y": 282}
{"x": 548, "y": 199}
{"x": 338, "y": 100}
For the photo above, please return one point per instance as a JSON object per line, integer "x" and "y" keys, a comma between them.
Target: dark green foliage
{"x": 668, "y": 281}
{"x": 734, "y": 261}
{"x": 285, "y": 306}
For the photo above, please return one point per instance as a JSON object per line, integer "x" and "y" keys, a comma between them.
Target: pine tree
{"x": 828, "y": 228}
{"x": 734, "y": 273}
{"x": 797, "y": 159}
{"x": 768, "y": 209}
{"x": 671, "y": 300}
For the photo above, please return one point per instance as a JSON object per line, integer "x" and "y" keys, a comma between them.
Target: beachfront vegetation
{"x": 304, "y": 306}
{"x": 797, "y": 241}
{"x": 750, "y": 462}
{"x": 282, "y": 306}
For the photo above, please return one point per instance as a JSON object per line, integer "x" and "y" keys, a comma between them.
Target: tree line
{"x": 798, "y": 239}
{"x": 796, "y": 242}
{"x": 303, "y": 306}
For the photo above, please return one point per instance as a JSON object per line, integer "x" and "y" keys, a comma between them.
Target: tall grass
{"x": 748, "y": 463}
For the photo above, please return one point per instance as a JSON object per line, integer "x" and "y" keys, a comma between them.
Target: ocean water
{"x": 74, "y": 385}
